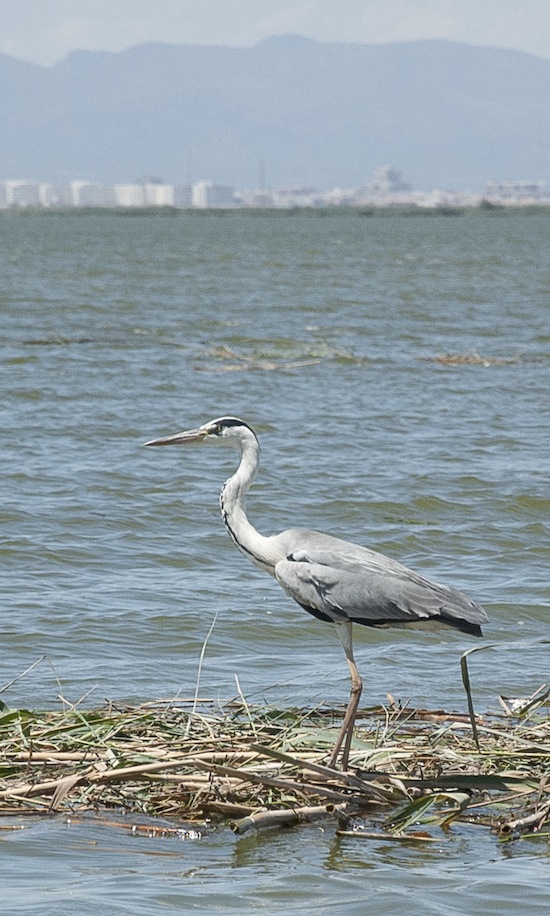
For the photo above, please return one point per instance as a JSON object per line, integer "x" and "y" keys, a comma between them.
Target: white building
{"x": 56, "y": 196}
{"x": 144, "y": 194}
{"x": 128, "y": 195}
{"x": 91, "y": 194}
{"x": 514, "y": 191}
{"x": 158, "y": 194}
{"x": 387, "y": 180}
{"x": 21, "y": 193}
{"x": 296, "y": 196}
{"x": 206, "y": 194}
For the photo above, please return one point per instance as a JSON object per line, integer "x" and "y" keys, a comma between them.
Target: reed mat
{"x": 413, "y": 774}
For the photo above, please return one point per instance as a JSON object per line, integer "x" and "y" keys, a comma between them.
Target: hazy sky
{"x": 44, "y": 31}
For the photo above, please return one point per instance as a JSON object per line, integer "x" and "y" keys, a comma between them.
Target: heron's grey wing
{"x": 371, "y": 589}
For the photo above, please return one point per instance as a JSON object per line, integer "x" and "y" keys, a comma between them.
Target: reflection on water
{"x": 84, "y": 867}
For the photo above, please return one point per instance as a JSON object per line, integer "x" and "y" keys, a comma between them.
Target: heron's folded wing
{"x": 368, "y": 596}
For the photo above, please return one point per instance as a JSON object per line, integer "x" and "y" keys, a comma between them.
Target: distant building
{"x": 517, "y": 191}
{"x": 158, "y": 194}
{"x": 128, "y": 195}
{"x": 386, "y": 188}
{"x": 183, "y": 197}
{"x": 91, "y": 194}
{"x": 254, "y": 198}
{"x": 205, "y": 194}
{"x": 149, "y": 193}
{"x": 387, "y": 180}
{"x": 22, "y": 193}
{"x": 296, "y": 196}
{"x": 340, "y": 197}
{"x": 55, "y": 196}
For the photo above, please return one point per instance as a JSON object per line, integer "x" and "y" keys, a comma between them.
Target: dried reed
{"x": 412, "y": 771}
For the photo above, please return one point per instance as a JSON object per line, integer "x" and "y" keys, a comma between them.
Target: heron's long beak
{"x": 189, "y": 435}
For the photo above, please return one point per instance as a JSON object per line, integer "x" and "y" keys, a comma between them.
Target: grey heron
{"x": 334, "y": 580}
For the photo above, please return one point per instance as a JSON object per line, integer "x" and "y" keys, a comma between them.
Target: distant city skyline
{"x": 45, "y": 33}
{"x": 385, "y": 189}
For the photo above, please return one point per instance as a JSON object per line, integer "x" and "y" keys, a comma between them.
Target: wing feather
{"x": 336, "y": 580}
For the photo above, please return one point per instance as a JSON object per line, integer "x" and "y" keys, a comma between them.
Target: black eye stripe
{"x": 225, "y": 423}
{"x": 231, "y": 421}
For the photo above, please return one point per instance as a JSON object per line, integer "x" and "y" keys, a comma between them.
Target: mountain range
{"x": 287, "y": 111}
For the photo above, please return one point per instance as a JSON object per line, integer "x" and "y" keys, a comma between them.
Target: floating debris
{"x": 239, "y": 362}
{"x": 58, "y": 341}
{"x": 474, "y": 359}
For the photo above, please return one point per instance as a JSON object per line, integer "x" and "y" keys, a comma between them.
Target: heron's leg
{"x": 346, "y": 731}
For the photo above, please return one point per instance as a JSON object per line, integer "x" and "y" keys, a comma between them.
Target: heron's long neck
{"x": 232, "y": 498}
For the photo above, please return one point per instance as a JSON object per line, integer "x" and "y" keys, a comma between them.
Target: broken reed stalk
{"x": 468, "y": 689}
{"x": 288, "y": 818}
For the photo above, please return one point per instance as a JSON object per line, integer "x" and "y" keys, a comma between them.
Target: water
{"x": 115, "y": 562}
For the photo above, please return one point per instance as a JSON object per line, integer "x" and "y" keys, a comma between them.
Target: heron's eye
{"x": 216, "y": 430}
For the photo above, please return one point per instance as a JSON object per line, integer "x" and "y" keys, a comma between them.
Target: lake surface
{"x": 321, "y": 332}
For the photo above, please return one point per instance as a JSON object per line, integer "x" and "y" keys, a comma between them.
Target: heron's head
{"x": 225, "y": 430}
